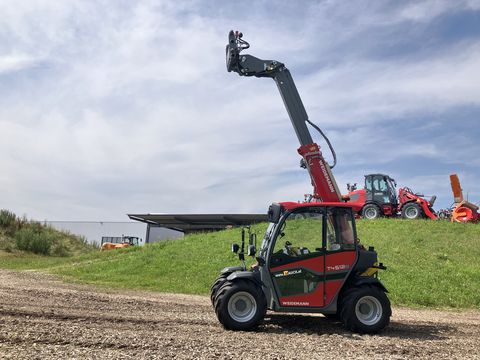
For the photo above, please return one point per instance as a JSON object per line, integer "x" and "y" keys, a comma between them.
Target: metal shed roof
{"x": 198, "y": 222}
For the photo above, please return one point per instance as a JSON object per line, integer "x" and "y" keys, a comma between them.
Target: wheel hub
{"x": 242, "y": 306}
{"x": 371, "y": 213}
{"x": 368, "y": 310}
{"x": 412, "y": 213}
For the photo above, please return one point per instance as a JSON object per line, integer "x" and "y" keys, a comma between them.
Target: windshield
{"x": 391, "y": 186}
{"x": 266, "y": 239}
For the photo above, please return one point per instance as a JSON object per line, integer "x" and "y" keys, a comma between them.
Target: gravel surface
{"x": 42, "y": 317}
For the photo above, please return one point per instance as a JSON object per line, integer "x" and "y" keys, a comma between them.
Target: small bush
{"x": 9, "y": 248}
{"x": 8, "y": 221}
{"x": 60, "y": 249}
{"x": 33, "y": 239}
{"x": 7, "y": 218}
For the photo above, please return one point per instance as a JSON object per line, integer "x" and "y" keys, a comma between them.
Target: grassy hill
{"x": 19, "y": 235}
{"x": 429, "y": 263}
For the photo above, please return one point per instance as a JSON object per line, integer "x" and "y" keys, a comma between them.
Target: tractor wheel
{"x": 240, "y": 305}
{"x": 412, "y": 211}
{"x": 216, "y": 285}
{"x": 365, "y": 310}
{"x": 371, "y": 211}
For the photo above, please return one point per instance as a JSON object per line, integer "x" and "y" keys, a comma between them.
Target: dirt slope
{"x": 43, "y": 318}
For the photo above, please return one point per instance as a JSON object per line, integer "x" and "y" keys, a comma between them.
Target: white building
{"x": 93, "y": 231}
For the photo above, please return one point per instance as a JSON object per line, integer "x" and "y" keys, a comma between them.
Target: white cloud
{"x": 132, "y": 109}
{"x": 427, "y": 10}
{"x": 368, "y": 91}
{"x": 15, "y": 62}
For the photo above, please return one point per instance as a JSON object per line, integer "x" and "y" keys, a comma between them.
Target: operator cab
{"x": 381, "y": 189}
{"x": 306, "y": 247}
{"x": 302, "y": 236}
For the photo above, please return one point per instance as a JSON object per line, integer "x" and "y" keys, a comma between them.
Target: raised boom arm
{"x": 324, "y": 185}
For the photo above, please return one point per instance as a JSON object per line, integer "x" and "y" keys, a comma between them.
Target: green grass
{"x": 429, "y": 263}
{"x": 434, "y": 264}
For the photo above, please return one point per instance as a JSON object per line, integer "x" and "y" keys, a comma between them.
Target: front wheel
{"x": 365, "y": 309}
{"x": 412, "y": 211}
{"x": 371, "y": 212}
{"x": 240, "y": 305}
{"x": 216, "y": 285}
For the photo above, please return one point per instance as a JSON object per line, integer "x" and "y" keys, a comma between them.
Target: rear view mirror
{"x": 235, "y": 248}
{"x": 251, "y": 250}
{"x": 274, "y": 213}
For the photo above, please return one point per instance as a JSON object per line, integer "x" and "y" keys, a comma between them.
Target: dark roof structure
{"x": 188, "y": 223}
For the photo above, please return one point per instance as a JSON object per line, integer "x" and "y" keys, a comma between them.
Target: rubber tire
{"x": 347, "y": 309}
{"x": 224, "y": 294}
{"x": 371, "y": 207}
{"x": 215, "y": 286}
{"x": 407, "y": 207}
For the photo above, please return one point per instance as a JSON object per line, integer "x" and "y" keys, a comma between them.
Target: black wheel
{"x": 240, "y": 305}
{"x": 371, "y": 211}
{"x": 365, "y": 309}
{"x": 412, "y": 211}
{"x": 216, "y": 285}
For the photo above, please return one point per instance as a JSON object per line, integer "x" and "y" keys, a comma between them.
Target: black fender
{"x": 231, "y": 269}
{"x": 359, "y": 281}
{"x": 246, "y": 275}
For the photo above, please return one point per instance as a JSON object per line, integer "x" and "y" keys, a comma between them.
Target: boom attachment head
{"x": 234, "y": 47}
{"x": 247, "y": 65}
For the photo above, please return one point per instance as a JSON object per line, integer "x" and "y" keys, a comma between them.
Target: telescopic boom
{"x": 324, "y": 185}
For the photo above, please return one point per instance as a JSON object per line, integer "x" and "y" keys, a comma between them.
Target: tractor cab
{"x": 310, "y": 246}
{"x": 381, "y": 190}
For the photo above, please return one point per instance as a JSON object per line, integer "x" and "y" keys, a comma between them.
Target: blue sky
{"x": 108, "y": 108}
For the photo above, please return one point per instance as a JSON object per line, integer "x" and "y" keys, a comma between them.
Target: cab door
{"x": 340, "y": 249}
{"x": 297, "y": 263}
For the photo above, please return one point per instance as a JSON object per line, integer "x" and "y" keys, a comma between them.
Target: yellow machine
{"x": 112, "y": 243}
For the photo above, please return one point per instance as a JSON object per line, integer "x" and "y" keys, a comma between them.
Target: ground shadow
{"x": 288, "y": 323}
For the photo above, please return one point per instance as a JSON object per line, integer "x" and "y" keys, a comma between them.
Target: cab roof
{"x": 290, "y": 205}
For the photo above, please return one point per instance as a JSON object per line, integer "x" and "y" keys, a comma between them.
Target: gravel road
{"x": 42, "y": 317}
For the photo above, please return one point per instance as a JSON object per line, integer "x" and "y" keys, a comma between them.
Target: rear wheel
{"x": 371, "y": 211}
{"x": 240, "y": 305}
{"x": 412, "y": 211}
{"x": 365, "y": 309}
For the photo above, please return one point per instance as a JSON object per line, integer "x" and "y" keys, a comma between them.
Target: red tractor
{"x": 378, "y": 198}
{"x": 310, "y": 259}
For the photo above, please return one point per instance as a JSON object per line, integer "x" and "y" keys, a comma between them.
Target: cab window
{"x": 379, "y": 184}
{"x": 300, "y": 237}
{"x": 340, "y": 231}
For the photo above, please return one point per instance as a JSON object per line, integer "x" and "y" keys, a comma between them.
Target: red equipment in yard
{"x": 310, "y": 259}
{"x": 464, "y": 211}
{"x": 378, "y": 198}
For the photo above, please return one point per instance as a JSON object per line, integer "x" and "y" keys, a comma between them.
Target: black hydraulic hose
{"x": 328, "y": 143}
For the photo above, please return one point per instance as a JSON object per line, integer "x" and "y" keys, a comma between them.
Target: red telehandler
{"x": 378, "y": 198}
{"x": 310, "y": 259}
